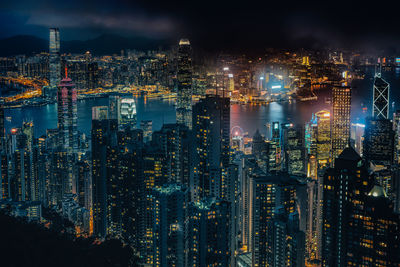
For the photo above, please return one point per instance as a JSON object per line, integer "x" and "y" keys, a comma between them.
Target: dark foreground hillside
{"x": 28, "y": 244}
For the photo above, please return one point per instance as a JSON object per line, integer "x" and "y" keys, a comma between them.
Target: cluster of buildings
{"x": 321, "y": 194}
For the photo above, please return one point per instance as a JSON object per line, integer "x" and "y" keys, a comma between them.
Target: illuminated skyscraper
{"x": 379, "y": 141}
{"x": 54, "y": 60}
{"x": 147, "y": 127}
{"x": 323, "y": 138}
{"x": 340, "y": 127}
{"x": 209, "y": 233}
{"x": 67, "y": 113}
{"x": 184, "y": 80}
{"x": 359, "y": 225}
{"x": 268, "y": 193}
{"x": 100, "y": 128}
{"x": 211, "y": 131}
{"x": 381, "y": 92}
{"x": 294, "y": 149}
{"x": 127, "y": 113}
{"x": 2, "y": 128}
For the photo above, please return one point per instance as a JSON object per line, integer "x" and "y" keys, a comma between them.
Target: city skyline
{"x": 176, "y": 157}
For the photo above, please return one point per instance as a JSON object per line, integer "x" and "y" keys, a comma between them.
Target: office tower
{"x": 379, "y": 141}
{"x": 147, "y": 128}
{"x": 20, "y": 166}
{"x": 396, "y": 129}
{"x": 294, "y": 149}
{"x": 170, "y": 225}
{"x": 54, "y": 59}
{"x": 340, "y": 127}
{"x": 374, "y": 231}
{"x": 211, "y": 131}
{"x": 323, "y": 139}
{"x": 155, "y": 174}
{"x": 127, "y": 113}
{"x": 357, "y": 137}
{"x": 84, "y": 184}
{"x": 267, "y": 194}
{"x": 276, "y": 138}
{"x": 67, "y": 114}
{"x": 100, "y": 128}
{"x": 209, "y": 233}
{"x": 184, "y": 82}
{"x": 258, "y": 144}
{"x": 92, "y": 76}
{"x": 380, "y": 108}
{"x": 360, "y": 227}
{"x": 175, "y": 142}
{"x": 4, "y": 183}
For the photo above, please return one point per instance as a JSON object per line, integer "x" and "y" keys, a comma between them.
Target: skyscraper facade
{"x": 211, "y": 132}
{"x": 54, "y": 60}
{"x": 379, "y": 141}
{"x": 184, "y": 84}
{"x": 170, "y": 225}
{"x": 381, "y": 92}
{"x": 67, "y": 114}
{"x": 100, "y": 127}
{"x": 360, "y": 227}
{"x": 340, "y": 127}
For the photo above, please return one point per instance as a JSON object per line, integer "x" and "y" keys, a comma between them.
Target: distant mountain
{"x": 22, "y": 44}
{"x": 102, "y": 45}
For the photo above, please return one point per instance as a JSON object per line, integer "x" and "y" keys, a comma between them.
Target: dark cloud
{"x": 215, "y": 24}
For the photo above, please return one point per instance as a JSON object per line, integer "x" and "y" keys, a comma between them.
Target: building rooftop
{"x": 349, "y": 154}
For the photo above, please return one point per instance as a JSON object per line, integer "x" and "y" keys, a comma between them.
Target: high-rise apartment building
{"x": 67, "y": 113}
{"x": 211, "y": 132}
{"x": 359, "y": 225}
{"x": 170, "y": 225}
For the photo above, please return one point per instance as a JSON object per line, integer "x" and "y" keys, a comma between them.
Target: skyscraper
{"x": 170, "y": 225}
{"x": 2, "y": 128}
{"x": 379, "y": 141}
{"x": 359, "y": 225}
{"x": 184, "y": 81}
{"x": 381, "y": 92}
{"x": 323, "y": 139}
{"x": 294, "y": 149}
{"x": 268, "y": 193}
{"x": 100, "y": 128}
{"x": 211, "y": 131}
{"x": 341, "y": 103}
{"x": 67, "y": 114}
{"x": 127, "y": 113}
{"x": 54, "y": 60}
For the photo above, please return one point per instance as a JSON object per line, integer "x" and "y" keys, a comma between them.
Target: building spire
{"x": 66, "y": 72}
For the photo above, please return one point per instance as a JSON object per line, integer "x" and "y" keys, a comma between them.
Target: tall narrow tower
{"x": 341, "y": 103}
{"x": 54, "y": 60}
{"x": 67, "y": 113}
{"x": 184, "y": 78}
{"x": 380, "y": 97}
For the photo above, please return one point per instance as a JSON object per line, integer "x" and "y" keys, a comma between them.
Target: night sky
{"x": 213, "y": 24}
